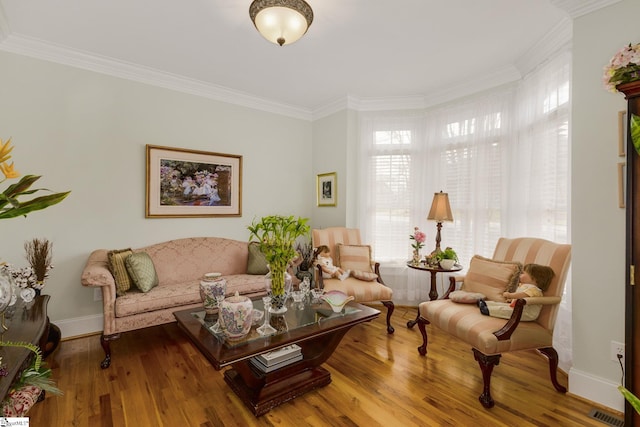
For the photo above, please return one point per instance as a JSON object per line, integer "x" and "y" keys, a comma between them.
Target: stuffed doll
{"x": 323, "y": 259}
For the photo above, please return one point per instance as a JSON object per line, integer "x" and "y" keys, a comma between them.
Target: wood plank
{"x": 158, "y": 377}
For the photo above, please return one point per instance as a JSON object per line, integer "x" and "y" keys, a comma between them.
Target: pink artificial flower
{"x": 624, "y": 67}
{"x": 419, "y": 238}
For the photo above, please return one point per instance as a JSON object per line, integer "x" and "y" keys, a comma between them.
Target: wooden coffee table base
{"x": 263, "y": 391}
{"x": 314, "y": 328}
{"x": 277, "y": 390}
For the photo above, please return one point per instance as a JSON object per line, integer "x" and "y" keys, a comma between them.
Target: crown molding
{"x": 502, "y": 76}
{"x": 555, "y": 40}
{"x": 496, "y": 78}
{"x": 100, "y": 64}
{"x": 332, "y": 107}
{"x": 576, "y": 8}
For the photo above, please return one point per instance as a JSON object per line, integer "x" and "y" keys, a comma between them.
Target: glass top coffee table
{"x": 312, "y": 326}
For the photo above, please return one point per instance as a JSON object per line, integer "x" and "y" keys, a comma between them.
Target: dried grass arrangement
{"x": 39, "y": 252}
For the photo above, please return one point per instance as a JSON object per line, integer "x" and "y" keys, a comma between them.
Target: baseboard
{"x": 595, "y": 389}
{"x": 80, "y": 326}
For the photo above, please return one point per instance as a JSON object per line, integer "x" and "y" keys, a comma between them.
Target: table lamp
{"x": 440, "y": 211}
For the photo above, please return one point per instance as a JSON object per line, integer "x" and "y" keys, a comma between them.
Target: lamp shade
{"x": 281, "y": 21}
{"x": 440, "y": 208}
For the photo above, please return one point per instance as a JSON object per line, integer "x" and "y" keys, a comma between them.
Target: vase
{"x": 278, "y": 284}
{"x": 416, "y": 257}
{"x": 208, "y": 291}
{"x": 6, "y": 291}
{"x": 236, "y": 316}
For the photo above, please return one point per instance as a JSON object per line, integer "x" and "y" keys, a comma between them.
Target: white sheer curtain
{"x": 503, "y": 157}
{"x": 543, "y": 180}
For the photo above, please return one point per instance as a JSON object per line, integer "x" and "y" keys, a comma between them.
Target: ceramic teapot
{"x": 209, "y": 288}
{"x": 236, "y": 315}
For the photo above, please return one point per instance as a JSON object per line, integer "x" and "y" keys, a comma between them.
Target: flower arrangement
{"x": 418, "y": 238}
{"x": 32, "y": 278}
{"x": 624, "y": 67}
{"x": 10, "y": 206}
{"x": 24, "y": 277}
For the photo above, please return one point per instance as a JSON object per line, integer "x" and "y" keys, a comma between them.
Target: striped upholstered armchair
{"x": 491, "y": 336}
{"x": 349, "y": 253}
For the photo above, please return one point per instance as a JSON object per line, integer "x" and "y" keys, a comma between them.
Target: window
{"x": 503, "y": 157}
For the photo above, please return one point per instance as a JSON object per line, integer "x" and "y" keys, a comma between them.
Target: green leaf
{"x": 635, "y": 132}
{"x": 21, "y": 186}
{"x": 631, "y": 398}
{"x": 36, "y": 204}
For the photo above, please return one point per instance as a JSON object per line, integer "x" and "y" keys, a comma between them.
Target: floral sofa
{"x": 179, "y": 266}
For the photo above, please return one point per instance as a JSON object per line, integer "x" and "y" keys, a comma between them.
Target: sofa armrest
{"x": 543, "y": 300}
{"x": 512, "y": 323}
{"x": 96, "y": 271}
{"x": 453, "y": 282}
{"x": 376, "y": 269}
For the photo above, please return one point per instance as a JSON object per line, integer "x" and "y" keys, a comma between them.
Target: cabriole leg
{"x": 486, "y": 366}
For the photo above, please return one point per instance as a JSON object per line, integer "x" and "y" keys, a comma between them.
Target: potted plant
{"x": 10, "y": 206}
{"x": 276, "y": 235}
{"x": 447, "y": 258}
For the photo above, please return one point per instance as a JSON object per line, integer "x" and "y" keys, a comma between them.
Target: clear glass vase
{"x": 279, "y": 290}
{"x": 6, "y": 292}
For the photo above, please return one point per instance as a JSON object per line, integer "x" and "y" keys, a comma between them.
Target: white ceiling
{"x": 355, "y": 49}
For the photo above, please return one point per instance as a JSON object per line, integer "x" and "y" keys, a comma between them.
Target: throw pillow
{"x": 142, "y": 271}
{"x": 491, "y": 278}
{"x": 119, "y": 269}
{"x": 256, "y": 263}
{"x": 364, "y": 275}
{"x": 354, "y": 257}
{"x": 466, "y": 297}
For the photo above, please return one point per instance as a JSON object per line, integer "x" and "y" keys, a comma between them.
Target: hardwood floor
{"x": 158, "y": 378}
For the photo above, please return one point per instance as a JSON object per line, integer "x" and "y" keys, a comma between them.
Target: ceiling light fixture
{"x": 281, "y": 21}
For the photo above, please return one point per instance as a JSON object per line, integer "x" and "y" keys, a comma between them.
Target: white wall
{"x": 598, "y": 224}
{"x": 330, "y": 155}
{"x": 86, "y": 132}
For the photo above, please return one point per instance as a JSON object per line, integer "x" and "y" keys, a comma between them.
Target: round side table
{"x": 433, "y": 292}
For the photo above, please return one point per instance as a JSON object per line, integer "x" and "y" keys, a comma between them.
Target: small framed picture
{"x": 327, "y": 189}
{"x": 192, "y": 183}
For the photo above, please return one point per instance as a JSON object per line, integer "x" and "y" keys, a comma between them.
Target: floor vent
{"x": 605, "y": 418}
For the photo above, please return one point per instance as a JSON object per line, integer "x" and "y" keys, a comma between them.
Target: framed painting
{"x": 192, "y": 183}
{"x": 327, "y": 189}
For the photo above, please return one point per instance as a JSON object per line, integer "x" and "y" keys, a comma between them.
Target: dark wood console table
{"x": 27, "y": 323}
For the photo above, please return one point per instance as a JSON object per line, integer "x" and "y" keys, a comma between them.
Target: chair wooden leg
{"x": 390, "y": 307}
{"x": 486, "y": 366}
{"x": 422, "y": 325}
{"x": 552, "y": 355}
{"x": 105, "y": 342}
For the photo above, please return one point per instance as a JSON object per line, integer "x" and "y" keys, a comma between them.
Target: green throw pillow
{"x": 142, "y": 271}
{"x": 119, "y": 269}
{"x": 257, "y": 263}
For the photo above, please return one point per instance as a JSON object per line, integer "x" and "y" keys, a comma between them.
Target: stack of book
{"x": 276, "y": 359}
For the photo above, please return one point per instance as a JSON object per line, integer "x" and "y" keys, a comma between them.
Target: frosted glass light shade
{"x": 281, "y": 21}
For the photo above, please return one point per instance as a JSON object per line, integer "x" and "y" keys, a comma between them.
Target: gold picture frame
{"x": 327, "y": 189}
{"x": 622, "y": 130}
{"x": 192, "y": 183}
